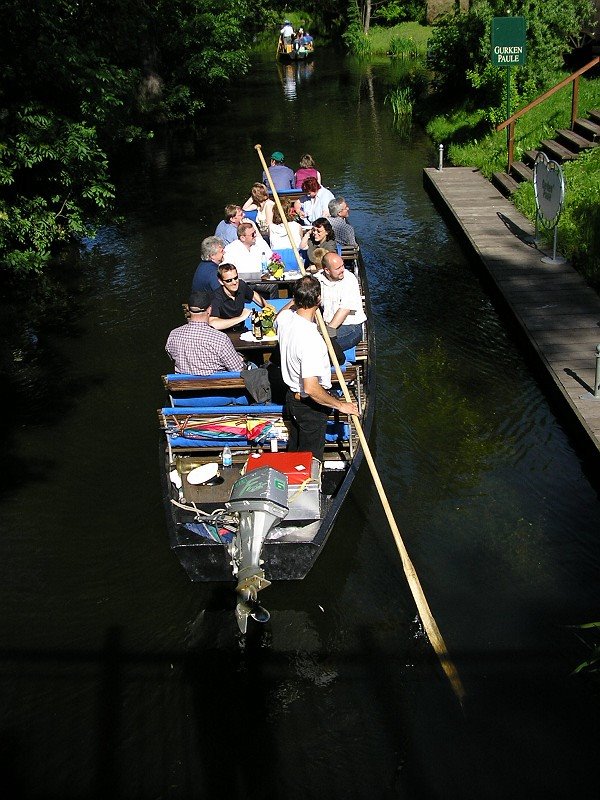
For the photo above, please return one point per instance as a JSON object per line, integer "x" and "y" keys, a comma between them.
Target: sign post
{"x": 508, "y": 49}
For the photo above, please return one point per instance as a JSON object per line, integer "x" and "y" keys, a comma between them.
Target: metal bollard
{"x": 441, "y": 159}
{"x": 597, "y": 376}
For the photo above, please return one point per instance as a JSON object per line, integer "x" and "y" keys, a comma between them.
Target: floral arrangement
{"x": 267, "y": 321}
{"x": 275, "y": 266}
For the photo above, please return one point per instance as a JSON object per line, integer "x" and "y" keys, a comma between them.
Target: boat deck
{"x": 558, "y": 313}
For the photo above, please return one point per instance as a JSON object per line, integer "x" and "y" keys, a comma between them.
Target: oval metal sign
{"x": 549, "y": 188}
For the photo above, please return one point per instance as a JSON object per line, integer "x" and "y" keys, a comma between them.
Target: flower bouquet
{"x": 275, "y": 266}
{"x": 267, "y": 321}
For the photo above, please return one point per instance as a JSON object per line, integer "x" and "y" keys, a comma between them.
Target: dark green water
{"x": 120, "y": 679}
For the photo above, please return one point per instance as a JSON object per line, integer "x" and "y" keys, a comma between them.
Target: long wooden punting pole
{"x": 429, "y": 623}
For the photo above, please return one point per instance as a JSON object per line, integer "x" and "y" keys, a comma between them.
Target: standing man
{"x": 342, "y": 304}
{"x": 286, "y": 32}
{"x": 227, "y": 228}
{"x": 211, "y": 252}
{"x": 306, "y": 371}
{"x": 282, "y": 176}
{"x": 199, "y": 349}
{"x": 338, "y": 216}
{"x": 228, "y": 310}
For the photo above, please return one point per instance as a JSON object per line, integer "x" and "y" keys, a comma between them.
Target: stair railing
{"x": 510, "y": 122}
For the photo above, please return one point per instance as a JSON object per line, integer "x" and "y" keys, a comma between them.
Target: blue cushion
{"x": 184, "y": 375}
{"x": 289, "y": 260}
{"x": 248, "y": 411}
{"x": 234, "y": 399}
{"x": 350, "y": 354}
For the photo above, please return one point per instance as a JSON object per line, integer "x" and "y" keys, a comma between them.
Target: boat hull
{"x": 292, "y": 547}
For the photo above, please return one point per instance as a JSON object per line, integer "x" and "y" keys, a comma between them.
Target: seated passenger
{"x": 282, "y": 176}
{"x": 320, "y": 235}
{"x": 198, "y": 348}
{"x": 260, "y": 202}
{"x": 228, "y": 302}
{"x": 278, "y": 237}
{"x": 227, "y": 228}
{"x": 211, "y": 252}
{"x": 316, "y": 204}
{"x": 338, "y": 217}
{"x": 308, "y": 169}
{"x": 248, "y": 250}
{"x": 341, "y": 301}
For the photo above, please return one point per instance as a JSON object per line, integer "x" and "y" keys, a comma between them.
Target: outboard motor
{"x": 260, "y": 498}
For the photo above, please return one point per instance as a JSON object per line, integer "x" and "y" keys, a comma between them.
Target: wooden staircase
{"x": 566, "y": 146}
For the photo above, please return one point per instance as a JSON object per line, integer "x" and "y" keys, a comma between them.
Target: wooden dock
{"x": 555, "y": 309}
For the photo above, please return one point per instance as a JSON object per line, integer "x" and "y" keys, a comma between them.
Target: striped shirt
{"x": 201, "y": 350}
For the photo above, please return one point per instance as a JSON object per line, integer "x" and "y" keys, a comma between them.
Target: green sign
{"x": 508, "y": 41}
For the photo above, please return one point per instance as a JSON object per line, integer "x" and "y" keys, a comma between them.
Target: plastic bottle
{"x": 263, "y": 263}
{"x": 227, "y": 458}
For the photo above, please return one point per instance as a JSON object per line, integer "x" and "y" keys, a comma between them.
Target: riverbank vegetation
{"x": 472, "y": 95}
{"x": 80, "y": 83}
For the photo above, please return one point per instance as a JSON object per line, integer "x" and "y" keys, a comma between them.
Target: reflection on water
{"x": 120, "y": 678}
{"x": 294, "y": 76}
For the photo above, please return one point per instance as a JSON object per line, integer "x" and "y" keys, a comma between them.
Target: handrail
{"x": 573, "y": 78}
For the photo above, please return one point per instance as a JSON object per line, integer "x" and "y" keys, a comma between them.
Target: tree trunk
{"x": 366, "y": 13}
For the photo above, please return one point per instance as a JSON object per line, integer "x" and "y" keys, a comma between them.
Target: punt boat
{"x": 294, "y": 52}
{"x": 268, "y": 516}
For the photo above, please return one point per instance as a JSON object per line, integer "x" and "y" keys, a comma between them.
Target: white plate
{"x": 204, "y": 473}
{"x": 248, "y": 337}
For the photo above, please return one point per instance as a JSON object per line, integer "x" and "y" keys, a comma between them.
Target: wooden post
{"x": 574, "y": 102}
{"x": 511, "y": 145}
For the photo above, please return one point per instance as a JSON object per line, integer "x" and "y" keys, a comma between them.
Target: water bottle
{"x": 273, "y": 441}
{"x": 263, "y": 263}
{"x": 227, "y": 458}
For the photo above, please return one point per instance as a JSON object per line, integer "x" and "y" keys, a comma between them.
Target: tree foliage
{"x": 79, "y": 81}
{"x": 459, "y": 48}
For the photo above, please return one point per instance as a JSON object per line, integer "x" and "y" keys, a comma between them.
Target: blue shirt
{"x": 282, "y": 177}
{"x": 205, "y": 278}
{"x": 226, "y": 231}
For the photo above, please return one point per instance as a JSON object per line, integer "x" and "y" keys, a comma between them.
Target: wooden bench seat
{"x": 183, "y": 382}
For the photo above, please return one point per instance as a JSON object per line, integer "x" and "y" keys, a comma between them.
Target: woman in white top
{"x": 259, "y": 208}
{"x": 278, "y": 237}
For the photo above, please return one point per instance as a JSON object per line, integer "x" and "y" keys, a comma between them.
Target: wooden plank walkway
{"x": 554, "y": 307}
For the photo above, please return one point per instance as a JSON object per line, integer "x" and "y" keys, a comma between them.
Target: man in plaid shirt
{"x": 197, "y": 348}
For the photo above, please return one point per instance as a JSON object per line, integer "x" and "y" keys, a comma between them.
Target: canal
{"x": 120, "y": 679}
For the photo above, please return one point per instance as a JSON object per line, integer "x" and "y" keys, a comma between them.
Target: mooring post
{"x": 441, "y": 159}
{"x": 597, "y": 374}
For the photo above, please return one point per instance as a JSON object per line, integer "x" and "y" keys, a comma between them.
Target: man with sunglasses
{"x": 228, "y": 310}
{"x": 248, "y": 250}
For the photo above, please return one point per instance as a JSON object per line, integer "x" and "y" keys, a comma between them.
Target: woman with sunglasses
{"x": 321, "y": 235}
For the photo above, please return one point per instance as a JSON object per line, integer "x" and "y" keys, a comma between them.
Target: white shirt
{"x": 303, "y": 352}
{"x": 279, "y": 238}
{"x": 317, "y": 206}
{"x": 341, "y": 294}
{"x": 287, "y": 30}
{"x": 247, "y": 261}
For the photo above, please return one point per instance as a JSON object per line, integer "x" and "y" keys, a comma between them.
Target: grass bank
{"x": 469, "y": 141}
{"x": 408, "y": 38}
